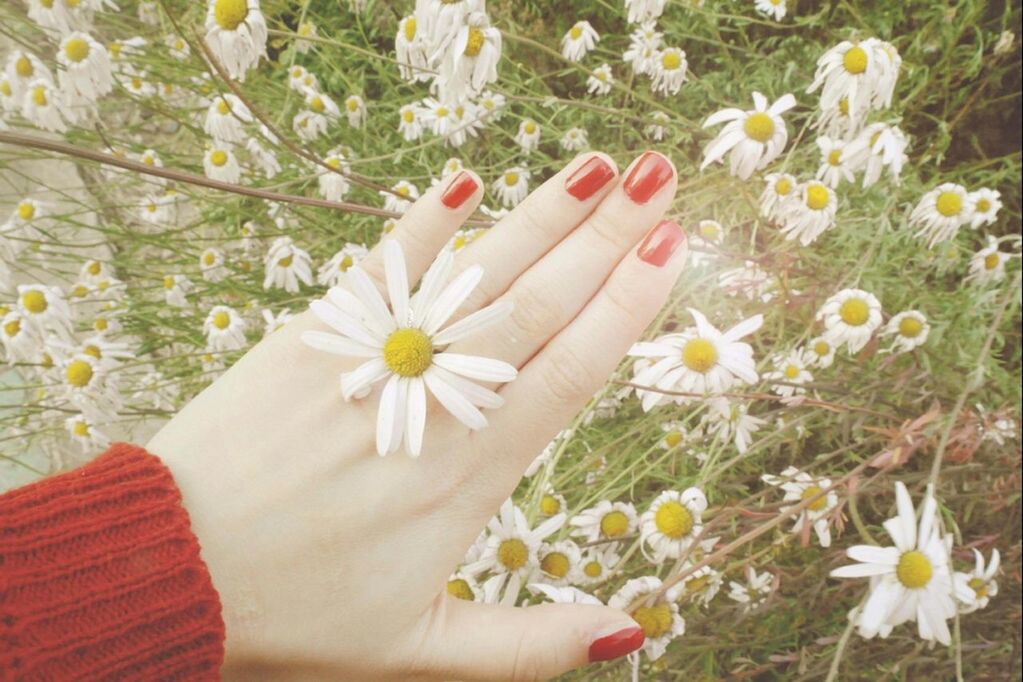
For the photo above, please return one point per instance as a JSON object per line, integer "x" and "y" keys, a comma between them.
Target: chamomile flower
{"x": 671, "y": 524}
{"x": 910, "y": 580}
{"x": 644, "y": 45}
{"x": 461, "y": 239}
{"x": 908, "y": 329}
{"x": 579, "y": 40}
{"x": 881, "y": 146}
{"x": 306, "y": 31}
{"x": 659, "y": 618}
{"x": 464, "y": 123}
{"x": 220, "y": 163}
{"x": 412, "y": 58}
{"x": 45, "y": 309}
{"x": 820, "y": 352}
{"x": 674, "y": 435}
{"x": 700, "y": 359}
{"x": 558, "y": 562}
{"x": 702, "y": 585}
{"x": 988, "y": 264}
{"x": 800, "y": 486}
{"x": 332, "y": 181}
{"x": 642, "y": 11}
{"x": 779, "y": 189}
{"x": 437, "y": 116}
{"x": 528, "y": 136}
{"x": 512, "y": 186}
{"x": 850, "y": 318}
{"x": 755, "y": 592}
{"x": 226, "y": 118}
{"x": 469, "y": 62}
{"x": 789, "y": 368}
{"x": 286, "y": 266}
{"x": 438, "y": 23}
{"x": 597, "y": 564}
{"x": 574, "y": 139}
{"x": 177, "y": 46}
{"x": 981, "y": 581}
{"x": 50, "y": 14}
{"x": 88, "y": 385}
{"x": 605, "y": 521}
{"x": 669, "y": 71}
{"x": 175, "y": 290}
{"x": 44, "y": 107}
{"x": 21, "y": 68}
{"x": 809, "y": 213}
{"x": 86, "y": 75}
{"x": 941, "y": 212}
{"x": 401, "y": 196}
{"x": 564, "y": 594}
{"x": 490, "y": 106}
{"x": 211, "y": 263}
{"x": 462, "y": 585}
{"x": 658, "y": 126}
{"x": 772, "y": 8}
{"x": 752, "y": 138}
{"x": 136, "y": 83}
{"x": 262, "y": 158}
{"x": 404, "y": 346}
{"x": 835, "y": 160}
{"x": 599, "y": 82}
{"x": 986, "y": 205}
{"x": 236, "y": 34}
{"x": 84, "y": 432}
{"x": 333, "y": 271}
{"x": 20, "y": 339}
{"x": 410, "y": 124}
{"x": 224, "y": 329}
{"x": 730, "y": 420}
{"x": 859, "y": 72}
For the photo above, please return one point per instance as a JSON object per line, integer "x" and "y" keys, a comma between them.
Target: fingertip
{"x": 588, "y": 174}
{"x": 463, "y": 191}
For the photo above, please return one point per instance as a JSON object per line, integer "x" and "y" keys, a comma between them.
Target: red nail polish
{"x": 616, "y": 645}
{"x": 661, "y": 242}
{"x": 460, "y": 189}
{"x": 651, "y": 173}
{"x": 588, "y": 178}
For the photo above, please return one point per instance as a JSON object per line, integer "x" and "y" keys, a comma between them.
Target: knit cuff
{"x": 100, "y": 577}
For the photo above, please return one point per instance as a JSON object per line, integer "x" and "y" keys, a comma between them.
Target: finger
{"x": 428, "y": 225}
{"x": 488, "y": 642}
{"x": 560, "y": 379}
{"x": 552, "y": 292}
{"x": 543, "y": 218}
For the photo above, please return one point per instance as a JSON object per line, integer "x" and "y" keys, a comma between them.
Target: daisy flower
{"x": 988, "y": 264}
{"x": 175, "y": 290}
{"x": 333, "y": 183}
{"x": 820, "y": 352}
{"x": 858, "y": 72}
{"x": 551, "y": 503}
{"x": 911, "y": 580}
{"x": 599, "y": 82}
{"x": 412, "y": 61}
{"x": 45, "y": 309}
{"x": 641, "y": 11}
{"x": 779, "y": 188}
{"x": 333, "y": 271}
{"x": 850, "y": 318}
{"x": 225, "y": 119}
{"x": 597, "y": 564}
{"x": 791, "y": 369}
{"x": 236, "y": 34}
{"x": 462, "y": 585}
{"x": 512, "y": 187}
{"x": 87, "y": 74}
{"x": 881, "y": 146}
{"x": 263, "y": 159}
{"x": 605, "y": 521}
{"x": 772, "y": 8}
{"x": 286, "y": 266}
{"x": 809, "y": 214}
{"x": 671, "y": 524}
{"x": 220, "y": 163}
{"x": 211, "y": 263}
{"x": 799, "y": 486}
{"x": 669, "y": 71}
{"x": 659, "y": 618}
{"x": 835, "y": 161}
{"x": 579, "y": 40}
{"x": 908, "y": 329}
{"x": 749, "y": 281}
{"x": 224, "y": 329}
{"x": 21, "y": 68}
{"x": 644, "y": 44}
{"x": 136, "y": 83}
{"x": 730, "y": 420}
{"x": 401, "y": 196}
{"x": 941, "y": 212}
{"x": 658, "y": 127}
{"x": 469, "y": 62}
{"x": 702, "y": 585}
{"x": 564, "y": 595}
{"x": 753, "y": 138}
{"x": 674, "y": 435}
{"x": 465, "y": 122}
{"x": 559, "y": 562}
{"x": 306, "y": 30}
{"x": 491, "y": 106}
{"x": 178, "y": 47}
{"x": 574, "y": 139}
{"x": 986, "y": 205}
{"x": 437, "y": 116}
{"x": 528, "y": 136}
{"x": 981, "y": 580}
{"x": 438, "y": 23}
{"x": 20, "y": 339}
{"x": 51, "y": 15}
{"x": 700, "y": 359}
{"x": 88, "y": 385}
{"x": 754, "y": 593}
{"x": 43, "y": 106}
{"x": 83, "y": 431}
{"x": 404, "y": 344}
{"x": 409, "y": 123}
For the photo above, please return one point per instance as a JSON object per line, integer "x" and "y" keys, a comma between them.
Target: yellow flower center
{"x": 168, "y": 282}
{"x": 115, "y": 49}
{"x": 674, "y": 519}
{"x": 983, "y": 205}
{"x": 148, "y": 160}
{"x": 822, "y": 348}
{"x": 408, "y": 116}
{"x": 23, "y": 67}
{"x": 593, "y": 569}
{"x": 305, "y": 30}
{"x": 709, "y": 230}
{"x": 441, "y": 112}
{"x": 410, "y": 29}
{"x": 222, "y": 320}
{"x": 26, "y": 210}
{"x": 759, "y": 126}
{"x": 979, "y": 587}
{"x": 460, "y": 589}
{"x": 910, "y": 327}
{"x": 94, "y": 267}
{"x": 475, "y": 42}
{"x": 81, "y": 429}
{"x": 403, "y": 191}
{"x": 555, "y": 564}
{"x": 699, "y": 355}
{"x": 76, "y": 49}
{"x": 286, "y": 261}
{"x": 333, "y": 162}
{"x": 991, "y": 261}
{"x": 5, "y": 89}
{"x": 817, "y": 197}
{"x": 34, "y": 301}
{"x": 317, "y": 105}
{"x": 818, "y": 504}
{"x": 230, "y": 13}
{"x": 575, "y": 32}
{"x": 79, "y": 373}
{"x": 408, "y": 352}
{"x": 672, "y": 438}
{"x": 949, "y": 204}
{"x": 136, "y": 83}
{"x": 218, "y": 158}
{"x": 100, "y": 324}
{"x": 615, "y": 524}
{"x": 93, "y": 350}
{"x": 511, "y": 179}
{"x": 835, "y": 157}
{"x": 914, "y": 569}
{"x": 855, "y": 60}
{"x": 655, "y": 620}
{"x": 529, "y": 128}
{"x": 39, "y": 96}
{"x": 698, "y": 584}
{"x": 783, "y": 186}
{"x": 513, "y": 554}
{"x": 854, "y": 312}
{"x": 208, "y": 258}
{"x": 791, "y": 372}
{"x": 352, "y": 104}
{"x": 671, "y": 60}
{"x": 12, "y": 328}
{"x": 549, "y": 505}
{"x": 223, "y": 108}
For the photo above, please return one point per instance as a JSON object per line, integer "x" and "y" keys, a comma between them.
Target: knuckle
{"x": 608, "y": 230}
{"x": 536, "y": 314}
{"x": 567, "y": 378}
{"x": 622, "y": 295}
{"x": 531, "y": 218}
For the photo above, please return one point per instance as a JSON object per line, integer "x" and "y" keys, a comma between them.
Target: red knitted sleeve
{"x": 100, "y": 578}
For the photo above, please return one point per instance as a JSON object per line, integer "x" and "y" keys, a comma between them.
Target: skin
{"x": 330, "y": 561}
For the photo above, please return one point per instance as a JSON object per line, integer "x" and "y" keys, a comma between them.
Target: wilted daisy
{"x": 401, "y": 196}
{"x": 528, "y": 136}
{"x": 789, "y": 368}
{"x": 910, "y": 581}
{"x": 462, "y": 585}
{"x": 272, "y": 322}
{"x": 512, "y": 186}
{"x": 86, "y": 75}
{"x": 211, "y": 263}
{"x": 659, "y": 618}
{"x": 908, "y": 329}
{"x": 464, "y": 123}
{"x": 175, "y": 290}
{"x": 412, "y": 58}
{"x": 941, "y": 212}
{"x": 657, "y": 128}
{"x": 730, "y": 421}
{"x": 754, "y": 593}
{"x": 409, "y": 123}
{"x": 809, "y": 213}
{"x": 224, "y": 329}
{"x": 20, "y": 339}
{"x": 136, "y": 83}
{"x": 779, "y": 188}
{"x": 836, "y": 156}
{"x": 305, "y": 31}
{"x": 332, "y": 272}
{"x": 579, "y": 40}
{"x": 599, "y": 82}
{"x": 48, "y": 14}
{"x": 700, "y": 359}
{"x": 881, "y": 146}
{"x": 671, "y": 524}
{"x": 862, "y": 72}
{"x": 669, "y": 71}
{"x": 43, "y": 106}
{"x": 469, "y": 62}
{"x": 981, "y": 581}
{"x": 88, "y": 385}
{"x": 644, "y": 45}
{"x": 753, "y": 138}
{"x": 986, "y": 205}
{"x": 597, "y": 563}
{"x": 641, "y": 11}
{"x": 605, "y": 521}
{"x": 21, "y": 68}
{"x": 988, "y": 264}
{"x": 772, "y": 8}
{"x": 355, "y": 109}
{"x": 490, "y": 106}
{"x": 286, "y": 266}
{"x": 820, "y": 352}
{"x": 236, "y": 34}
{"x": 559, "y": 562}
{"x": 574, "y": 139}
{"x": 331, "y": 181}
{"x": 404, "y": 346}
{"x": 850, "y": 318}
{"x": 800, "y": 486}
{"x": 702, "y": 585}
{"x": 225, "y": 119}
{"x": 262, "y": 158}
{"x": 220, "y": 163}
{"x": 44, "y": 309}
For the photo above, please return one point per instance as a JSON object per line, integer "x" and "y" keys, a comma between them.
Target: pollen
{"x": 949, "y": 204}
{"x": 811, "y": 491}
{"x": 655, "y": 620}
{"x": 855, "y": 60}
{"x": 910, "y": 327}
{"x": 699, "y": 355}
{"x": 76, "y": 49}
{"x": 854, "y": 312}
{"x": 615, "y": 524}
{"x": 408, "y": 352}
{"x": 410, "y": 29}
{"x": 759, "y": 126}
{"x": 817, "y": 197}
{"x": 230, "y": 13}
{"x": 555, "y": 564}
{"x": 78, "y": 373}
{"x": 475, "y": 42}
{"x": 459, "y": 589}
{"x": 222, "y": 320}
{"x": 34, "y": 301}
{"x": 674, "y": 519}
{"x": 914, "y": 569}
{"x": 26, "y": 210}
{"x": 549, "y": 505}
{"x": 218, "y": 158}
{"x": 513, "y": 554}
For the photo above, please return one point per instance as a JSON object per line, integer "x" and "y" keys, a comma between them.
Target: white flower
{"x": 551, "y": 503}
{"x": 225, "y": 119}
{"x": 986, "y": 205}
{"x": 564, "y": 595}
{"x": 462, "y": 585}
{"x": 702, "y": 585}
{"x": 863, "y": 73}
{"x": 51, "y": 15}
{"x": 776, "y": 192}
{"x": 224, "y": 329}
{"x": 306, "y": 30}
{"x": 84, "y": 432}
{"x": 660, "y": 618}
{"x": 211, "y": 263}
{"x": 988, "y": 264}
{"x": 599, "y": 82}
{"x": 175, "y": 290}
{"x": 44, "y": 107}
{"x": 799, "y": 486}
{"x": 469, "y": 62}
{"x": 286, "y": 265}
{"x": 89, "y": 385}
{"x": 910, "y": 581}
{"x": 700, "y": 359}
{"x": 438, "y": 23}
{"x": 808, "y": 213}
{"x": 491, "y": 106}
{"x": 789, "y": 368}
{"x": 754, "y": 138}
{"x": 605, "y": 521}
{"x": 772, "y": 8}
{"x": 263, "y": 158}
{"x": 598, "y": 563}
{"x": 333, "y": 271}
{"x": 20, "y": 339}
{"x": 881, "y": 146}
{"x": 656, "y": 129}
{"x": 236, "y": 34}
{"x": 86, "y": 75}
{"x": 941, "y": 212}
{"x": 412, "y": 61}
{"x": 835, "y": 160}
{"x": 559, "y": 562}
{"x": 909, "y": 330}
{"x": 750, "y": 281}
{"x": 404, "y": 345}
{"x": 401, "y": 196}
{"x": 136, "y": 83}
{"x": 850, "y": 317}
{"x": 528, "y": 136}
{"x": 754, "y": 592}
{"x": 355, "y": 110}
{"x": 21, "y": 68}
{"x": 820, "y": 352}
{"x": 579, "y": 40}
{"x": 332, "y": 184}
{"x": 45, "y": 310}
{"x": 465, "y": 121}
{"x": 409, "y": 124}
{"x": 1005, "y": 42}
{"x": 671, "y": 524}
{"x": 644, "y": 44}
{"x": 981, "y": 581}
{"x": 512, "y": 187}
{"x": 729, "y": 420}
{"x": 177, "y": 46}
{"x": 641, "y": 11}
{"x": 574, "y": 139}
{"x": 669, "y": 71}
{"x": 220, "y": 163}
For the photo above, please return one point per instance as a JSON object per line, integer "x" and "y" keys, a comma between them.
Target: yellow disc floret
{"x": 674, "y": 519}
{"x": 23, "y": 67}
{"x": 914, "y": 569}
{"x": 549, "y": 505}
{"x": 991, "y": 261}
{"x": 230, "y": 13}
{"x": 408, "y": 352}
{"x": 699, "y": 355}
{"x": 218, "y": 157}
{"x": 671, "y": 60}
{"x": 854, "y": 312}
{"x": 783, "y": 186}
{"x": 759, "y": 126}
{"x": 817, "y": 197}
{"x": 910, "y": 327}
{"x": 949, "y": 204}
{"x": 34, "y": 301}
{"x": 460, "y": 589}
{"x": 655, "y": 620}
{"x": 812, "y": 491}
{"x": 475, "y": 42}
{"x": 78, "y": 373}
{"x": 222, "y": 320}
{"x": 555, "y": 564}
{"x": 672, "y": 438}
{"x": 615, "y": 524}
{"x": 855, "y": 60}
{"x": 593, "y": 569}
{"x": 513, "y": 554}
{"x": 26, "y": 210}
{"x": 76, "y": 49}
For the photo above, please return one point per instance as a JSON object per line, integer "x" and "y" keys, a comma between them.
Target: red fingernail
{"x": 460, "y": 189}
{"x": 651, "y": 173}
{"x": 588, "y": 178}
{"x": 616, "y": 645}
{"x": 661, "y": 242}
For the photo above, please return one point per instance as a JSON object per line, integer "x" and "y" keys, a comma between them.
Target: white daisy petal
{"x": 474, "y": 367}
{"x": 397, "y": 281}
{"x": 454, "y": 402}
{"x": 387, "y": 415}
{"x": 364, "y": 376}
{"x": 415, "y": 416}
{"x": 451, "y": 298}
{"x": 471, "y": 324}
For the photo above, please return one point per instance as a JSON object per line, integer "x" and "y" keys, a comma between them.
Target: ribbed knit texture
{"x": 100, "y": 578}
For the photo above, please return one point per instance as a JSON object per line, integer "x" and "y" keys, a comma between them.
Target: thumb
{"x": 488, "y": 642}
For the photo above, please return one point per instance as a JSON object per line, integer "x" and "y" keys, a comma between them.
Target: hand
{"x": 332, "y": 562}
